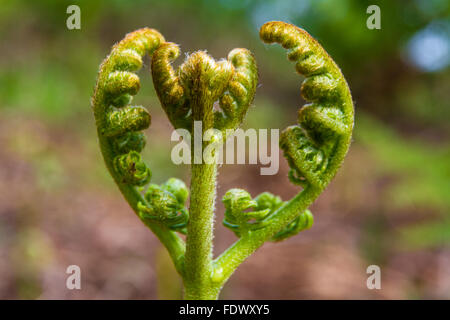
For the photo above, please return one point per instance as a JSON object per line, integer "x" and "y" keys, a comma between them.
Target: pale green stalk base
{"x": 198, "y": 257}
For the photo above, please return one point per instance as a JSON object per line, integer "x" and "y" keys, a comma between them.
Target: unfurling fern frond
{"x": 119, "y": 128}
{"x": 244, "y": 214}
{"x": 167, "y": 204}
{"x": 316, "y": 147}
{"x": 119, "y": 124}
{"x": 218, "y": 94}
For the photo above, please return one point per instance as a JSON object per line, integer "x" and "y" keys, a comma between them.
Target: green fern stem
{"x": 199, "y": 245}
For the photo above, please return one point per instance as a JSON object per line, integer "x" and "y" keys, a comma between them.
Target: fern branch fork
{"x": 217, "y": 94}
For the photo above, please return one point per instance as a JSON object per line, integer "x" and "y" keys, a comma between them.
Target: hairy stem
{"x": 200, "y": 233}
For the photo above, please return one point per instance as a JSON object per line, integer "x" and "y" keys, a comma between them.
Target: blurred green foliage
{"x": 421, "y": 175}
{"x": 423, "y": 170}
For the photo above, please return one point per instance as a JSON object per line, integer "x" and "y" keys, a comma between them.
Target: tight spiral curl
{"x": 240, "y": 220}
{"x": 167, "y": 204}
{"x": 236, "y": 202}
{"x": 119, "y": 124}
{"x": 316, "y": 147}
{"x": 132, "y": 169}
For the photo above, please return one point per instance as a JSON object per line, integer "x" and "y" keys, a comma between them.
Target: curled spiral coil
{"x": 315, "y": 147}
{"x": 167, "y": 204}
{"x": 241, "y": 220}
{"x": 130, "y": 141}
{"x": 120, "y": 128}
{"x": 119, "y": 124}
{"x": 190, "y": 93}
{"x": 236, "y": 202}
{"x": 132, "y": 169}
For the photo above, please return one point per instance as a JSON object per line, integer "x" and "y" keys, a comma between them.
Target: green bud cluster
{"x": 189, "y": 93}
{"x": 167, "y": 204}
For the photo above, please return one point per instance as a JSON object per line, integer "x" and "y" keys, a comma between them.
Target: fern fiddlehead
{"x": 236, "y": 201}
{"x": 167, "y": 203}
{"x": 119, "y": 128}
{"x": 218, "y": 94}
{"x": 316, "y": 147}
